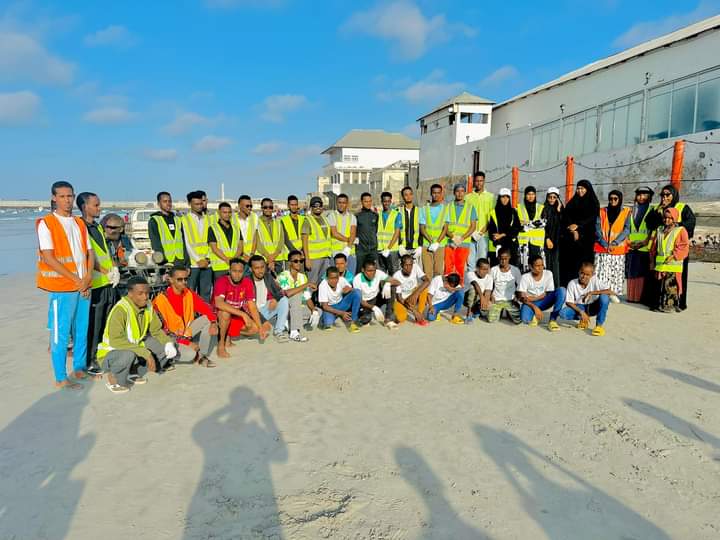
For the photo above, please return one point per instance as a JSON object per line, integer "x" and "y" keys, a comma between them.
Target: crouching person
{"x": 587, "y": 297}
{"x": 337, "y": 298}
{"x": 134, "y": 341}
{"x": 444, "y": 293}
{"x": 537, "y": 293}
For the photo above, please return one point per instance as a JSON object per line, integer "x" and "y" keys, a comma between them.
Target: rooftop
{"x": 465, "y": 98}
{"x": 375, "y": 138}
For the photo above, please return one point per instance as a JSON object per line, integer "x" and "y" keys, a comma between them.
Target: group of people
{"x": 237, "y": 273}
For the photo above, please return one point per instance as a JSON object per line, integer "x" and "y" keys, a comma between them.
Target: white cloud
{"x": 109, "y": 115}
{"x": 24, "y": 58}
{"x": 114, "y": 35}
{"x": 264, "y": 149}
{"x": 431, "y": 89}
{"x": 500, "y": 75}
{"x": 211, "y": 143}
{"x": 276, "y": 107}
{"x": 18, "y": 108}
{"x": 161, "y": 154}
{"x": 647, "y": 30}
{"x": 184, "y": 122}
{"x": 402, "y": 23}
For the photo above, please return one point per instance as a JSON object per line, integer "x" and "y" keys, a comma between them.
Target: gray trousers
{"x": 120, "y": 362}
{"x": 319, "y": 267}
{"x": 298, "y": 312}
{"x": 200, "y": 329}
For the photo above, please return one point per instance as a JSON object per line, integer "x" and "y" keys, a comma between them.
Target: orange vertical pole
{"x": 469, "y": 188}
{"x": 515, "y": 185}
{"x": 569, "y": 178}
{"x": 677, "y": 165}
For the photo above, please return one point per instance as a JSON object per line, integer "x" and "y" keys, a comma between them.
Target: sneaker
{"x": 553, "y": 326}
{"x": 469, "y": 320}
{"x": 457, "y": 319}
{"x": 94, "y": 369}
{"x": 422, "y": 323}
{"x": 598, "y": 331}
{"x": 533, "y": 322}
{"x": 391, "y": 325}
{"x": 295, "y": 335}
{"x": 614, "y": 299}
{"x": 379, "y": 317}
{"x": 116, "y": 388}
{"x": 314, "y": 319}
{"x": 137, "y": 379}
{"x": 354, "y": 328}
{"x": 281, "y": 337}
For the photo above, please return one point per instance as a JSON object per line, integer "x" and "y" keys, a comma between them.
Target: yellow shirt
{"x": 483, "y": 203}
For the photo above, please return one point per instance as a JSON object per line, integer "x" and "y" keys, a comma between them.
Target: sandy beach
{"x": 439, "y": 433}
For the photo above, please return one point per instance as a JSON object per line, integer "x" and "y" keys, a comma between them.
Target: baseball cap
{"x": 505, "y": 192}
{"x": 554, "y": 190}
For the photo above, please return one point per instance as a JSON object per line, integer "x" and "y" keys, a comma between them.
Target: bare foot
{"x": 222, "y": 352}
{"x": 67, "y": 384}
{"x": 79, "y": 375}
{"x": 229, "y": 343}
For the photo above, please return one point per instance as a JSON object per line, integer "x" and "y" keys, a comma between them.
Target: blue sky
{"x": 128, "y": 98}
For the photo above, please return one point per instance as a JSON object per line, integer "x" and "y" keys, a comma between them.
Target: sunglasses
{"x": 614, "y": 198}
{"x": 247, "y": 206}
{"x": 111, "y": 228}
{"x": 298, "y": 261}
{"x": 666, "y": 194}
{"x": 267, "y": 207}
{"x": 316, "y": 206}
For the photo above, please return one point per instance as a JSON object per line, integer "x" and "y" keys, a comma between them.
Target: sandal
{"x": 69, "y": 385}
{"x": 117, "y": 388}
{"x": 205, "y": 362}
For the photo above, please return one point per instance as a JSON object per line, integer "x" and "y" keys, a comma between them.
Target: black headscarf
{"x": 553, "y": 218}
{"x": 675, "y": 194}
{"x": 614, "y": 211}
{"x": 582, "y": 209}
{"x": 530, "y": 206}
{"x": 504, "y": 214}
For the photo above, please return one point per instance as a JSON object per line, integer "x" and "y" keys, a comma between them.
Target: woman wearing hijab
{"x": 552, "y": 215}
{"x": 503, "y": 228}
{"x": 612, "y": 229}
{"x": 577, "y": 236}
{"x": 670, "y": 198}
{"x": 532, "y": 234}
{"x": 637, "y": 260}
{"x": 669, "y": 249}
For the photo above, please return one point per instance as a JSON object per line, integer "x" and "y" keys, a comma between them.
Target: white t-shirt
{"x": 261, "y": 293}
{"x": 409, "y": 283}
{"x": 327, "y": 294}
{"x": 536, "y": 288}
{"x": 438, "y": 291}
{"x": 369, "y": 289}
{"x": 504, "y": 283}
{"x": 485, "y": 284}
{"x": 575, "y": 291}
{"x": 74, "y": 236}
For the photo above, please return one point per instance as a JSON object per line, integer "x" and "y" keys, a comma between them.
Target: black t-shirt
{"x": 228, "y": 230}
{"x": 367, "y": 225}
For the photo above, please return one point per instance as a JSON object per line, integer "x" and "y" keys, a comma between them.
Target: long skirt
{"x": 669, "y": 297}
{"x": 610, "y": 269}
{"x": 552, "y": 262}
{"x": 637, "y": 268}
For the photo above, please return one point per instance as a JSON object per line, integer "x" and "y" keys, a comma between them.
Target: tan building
{"x": 392, "y": 178}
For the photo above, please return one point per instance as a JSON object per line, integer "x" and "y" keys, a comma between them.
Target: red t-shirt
{"x": 201, "y": 307}
{"x": 235, "y": 294}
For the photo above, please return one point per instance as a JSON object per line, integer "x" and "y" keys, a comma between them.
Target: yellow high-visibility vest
{"x": 249, "y": 234}
{"x": 198, "y": 242}
{"x": 665, "y": 246}
{"x": 343, "y": 224}
{"x": 229, "y": 249}
{"x": 270, "y": 239}
{"x": 102, "y": 256}
{"x": 434, "y": 228}
{"x": 318, "y": 241}
{"x": 641, "y": 233}
{"x": 536, "y": 237}
{"x": 172, "y": 244}
{"x": 415, "y": 240}
{"x": 458, "y": 225}
{"x": 386, "y": 230}
{"x": 135, "y": 334}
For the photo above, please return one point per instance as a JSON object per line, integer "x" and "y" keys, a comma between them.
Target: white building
{"x": 352, "y": 158}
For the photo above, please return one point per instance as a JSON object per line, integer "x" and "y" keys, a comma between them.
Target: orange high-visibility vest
{"x": 47, "y": 278}
{"x": 172, "y": 321}
{"x": 611, "y": 233}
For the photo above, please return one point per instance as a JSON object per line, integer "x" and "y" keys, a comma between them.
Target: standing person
{"x": 134, "y": 341}
{"x": 367, "y": 229}
{"x": 411, "y": 297}
{"x": 612, "y": 230}
{"x": 532, "y": 234}
{"x": 552, "y": 214}
{"x": 119, "y": 244}
{"x": 670, "y": 198}
{"x": 270, "y": 238}
{"x": 292, "y": 225}
{"x": 537, "y": 293}
{"x": 247, "y": 221}
{"x": 225, "y": 241}
{"x": 343, "y": 229}
{"x": 269, "y": 298}
{"x": 479, "y": 295}
{"x": 587, "y": 296}
{"x": 377, "y": 290}
{"x": 577, "y": 238}
{"x": 445, "y": 293}
{"x": 410, "y": 232}
{"x": 65, "y": 263}
{"x": 105, "y": 277}
{"x": 506, "y": 279}
{"x": 504, "y": 227}
{"x": 462, "y": 224}
{"x": 165, "y": 231}
{"x": 483, "y": 202}
{"x": 388, "y": 234}
{"x": 337, "y": 298}
{"x": 316, "y": 242}
{"x": 298, "y": 291}
{"x": 187, "y": 318}
{"x": 670, "y": 247}
{"x": 637, "y": 260}
{"x": 434, "y": 229}
{"x": 195, "y": 228}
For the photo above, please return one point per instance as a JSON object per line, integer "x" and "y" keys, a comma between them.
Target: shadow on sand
{"x": 39, "y": 451}
{"x": 692, "y": 380}
{"x": 235, "y": 496}
{"x": 442, "y": 521}
{"x": 562, "y": 503}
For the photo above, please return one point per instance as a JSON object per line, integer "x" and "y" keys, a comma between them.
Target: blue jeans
{"x": 598, "y": 308}
{"x": 556, "y": 299}
{"x": 68, "y": 312}
{"x": 455, "y": 301}
{"x": 280, "y": 312}
{"x": 350, "y": 302}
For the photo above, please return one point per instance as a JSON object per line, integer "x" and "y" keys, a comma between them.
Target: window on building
{"x": 451, "y": 119}
{"x": 473, "y": 118}
{"x": 682, "y": 110}
{"x": 424, "y": 129}
{"x": 620, "y": 122}
{"x": 708, "y": 102}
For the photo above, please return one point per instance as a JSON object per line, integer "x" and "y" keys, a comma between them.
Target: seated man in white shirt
{"x": 537, "y": 293}
{"x": 587, "y": 297}
{"x": 445, "y": 292}
{"x": 411, "y": 294}
{"x": 337, "y": 298}
{"x": 480, "y": 288}
{"x": 505, "y": 278}
{"x": 377, "y": 290}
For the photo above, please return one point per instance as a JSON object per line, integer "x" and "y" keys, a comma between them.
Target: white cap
{"x": 554, "y": 190}
{"x": 505, "y": 191}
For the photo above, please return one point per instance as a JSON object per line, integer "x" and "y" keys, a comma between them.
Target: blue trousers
{"x": 281, "y": 311}
{"x": 556, "y": 299}
{"x": 350, "y": 302}
{"x": 455, "y": 301}
{"x": 68, "y": 312}
{"x": 598, "y": 308}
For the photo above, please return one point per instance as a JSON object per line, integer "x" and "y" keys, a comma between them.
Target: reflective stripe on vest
{"x": 47, "y": 278}
{"x": 103, "y": 258}
{"x": 197, "y": 242}
{"x": 610, "y": 233}
{"x": 290, "y": 233}
{"x": 132, "y": 328}
{"x": 536, "y": 237}
{"x": 270, "y": 240}
{"x": 318, "y": 242}
{"x": 386, "y": 230}
{"x": 665, "y": 247}
{"x": 458, "y": 225}
{"x": 248, "y": 234}
{"x": 415, "y": 240}
{"x": 434, "y": 228}
{"x": 229, "y": 249}
{"x": 172, "y": 244}
{"x": 493, "y": 218}
{"x": 343, "y": 224}
{"x": 173, "y": 323}
{"x": 641, "y": 234}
